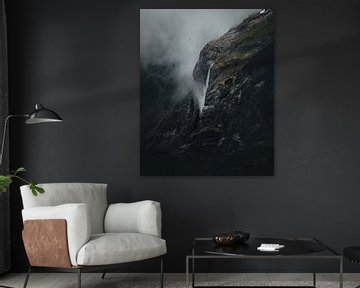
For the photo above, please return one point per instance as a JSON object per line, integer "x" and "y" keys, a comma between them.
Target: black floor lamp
{"x": 39, "y": 115}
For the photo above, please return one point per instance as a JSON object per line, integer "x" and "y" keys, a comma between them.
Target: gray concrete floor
{"x": 68, "y": 280}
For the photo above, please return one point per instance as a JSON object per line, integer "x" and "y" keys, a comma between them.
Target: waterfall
{"x": 202, "y": 100}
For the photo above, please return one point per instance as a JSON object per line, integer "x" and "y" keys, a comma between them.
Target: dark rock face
{"x": 234, "y": 132}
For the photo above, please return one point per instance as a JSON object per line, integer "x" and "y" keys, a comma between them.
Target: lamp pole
{"x": 4, "y": 134}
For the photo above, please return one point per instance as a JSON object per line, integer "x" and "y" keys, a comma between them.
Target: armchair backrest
{"x": 55, "y": 194}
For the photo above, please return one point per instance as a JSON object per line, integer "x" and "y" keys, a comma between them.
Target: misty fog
{"x": 178, "y": 35}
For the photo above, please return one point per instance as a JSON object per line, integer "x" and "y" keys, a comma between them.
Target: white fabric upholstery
{"x": 113, "y": 248}
{"x": 139, "y": 217}
{"x": 62, "y": 193}
{"x": 78, "y": 221}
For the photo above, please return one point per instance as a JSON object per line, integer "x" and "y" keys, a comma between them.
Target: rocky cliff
{"x": 232, "y": 132}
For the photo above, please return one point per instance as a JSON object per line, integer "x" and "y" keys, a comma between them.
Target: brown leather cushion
{"x": 46, "y": 243}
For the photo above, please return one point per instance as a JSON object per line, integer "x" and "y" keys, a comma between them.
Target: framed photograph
{"x": 207, "y": 92}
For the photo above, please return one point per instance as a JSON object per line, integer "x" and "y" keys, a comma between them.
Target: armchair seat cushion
{"x": 114, "y": 248}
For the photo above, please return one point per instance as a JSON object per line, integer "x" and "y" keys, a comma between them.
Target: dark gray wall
{"x": 81, "y": 58}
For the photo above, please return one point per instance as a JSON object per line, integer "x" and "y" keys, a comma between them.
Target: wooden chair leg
{"x": 27, "y": 277}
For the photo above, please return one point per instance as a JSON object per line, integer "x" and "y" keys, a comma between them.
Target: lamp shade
{"x": 42, "y": 115}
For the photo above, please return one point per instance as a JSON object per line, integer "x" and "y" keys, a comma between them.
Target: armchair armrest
{"x": 138, "y": 217}
{"x": 78, "y": 225}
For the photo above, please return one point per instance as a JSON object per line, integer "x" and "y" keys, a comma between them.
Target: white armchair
{"x": 72, "y": 228}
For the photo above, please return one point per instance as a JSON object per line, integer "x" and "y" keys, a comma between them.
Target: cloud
{"x": 177, "y": 36}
